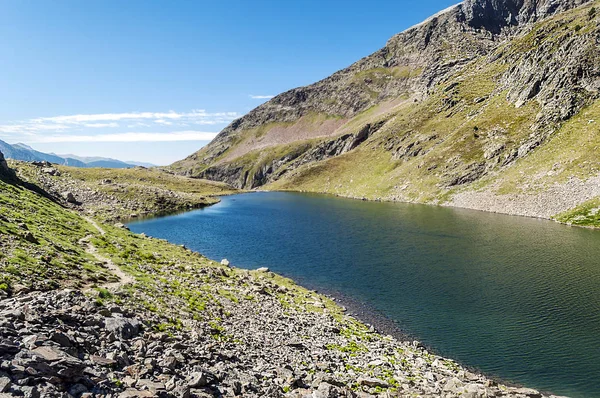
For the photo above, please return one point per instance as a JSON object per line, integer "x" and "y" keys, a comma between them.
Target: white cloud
{"x": 190, "y": 135}
{"x": 198, "y": 114}
{"x": 261, "y": 96}
{"x": 112, "y": 120}
{"x": 101, "y": 125}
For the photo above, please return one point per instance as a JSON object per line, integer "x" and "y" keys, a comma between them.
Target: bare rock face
{"x": 5, "y": 171}
{"x": 496, "y": 15}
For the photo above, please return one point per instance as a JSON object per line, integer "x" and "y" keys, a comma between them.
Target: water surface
{"x": 515, "y": 297}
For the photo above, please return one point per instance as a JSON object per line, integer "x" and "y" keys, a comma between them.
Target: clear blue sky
{"x": 154, "y": 80}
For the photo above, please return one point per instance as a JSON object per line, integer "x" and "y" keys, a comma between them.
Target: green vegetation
{"x": 585, "y": 215}
{"x": 379, "y": 75}
{"x": 122, "y": 192}
{"x": 40, "y": 243}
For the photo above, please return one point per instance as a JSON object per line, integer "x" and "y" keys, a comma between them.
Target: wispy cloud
{"x": 261, "y": 96}
{"x": 190, "y": 135}
{"x": 64, "y": 123}
{"x": 101, "y": 125}
{"x": 198, "y": 115}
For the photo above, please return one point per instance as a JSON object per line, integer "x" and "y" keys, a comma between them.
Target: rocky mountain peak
{"x": 495, "y": 15}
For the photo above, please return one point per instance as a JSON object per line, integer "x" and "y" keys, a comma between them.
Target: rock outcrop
{"x": 497, "y": 15}
{"x": 5, "y": 172}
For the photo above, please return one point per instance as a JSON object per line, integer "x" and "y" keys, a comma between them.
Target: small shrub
{"x": 578, "y": 28}
{"x": 104, "y": 293}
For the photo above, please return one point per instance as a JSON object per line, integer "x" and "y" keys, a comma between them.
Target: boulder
{"x": 3, "y": 164}
{"x": 69, "y": 197}
{"x": 51, "y": 171}
{"x": 123, "y": 328}
{"x": 5, "y": 171}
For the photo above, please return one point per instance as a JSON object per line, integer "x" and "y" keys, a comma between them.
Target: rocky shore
{"x": 88, "y": 309}
{"x": 62, "y": 344}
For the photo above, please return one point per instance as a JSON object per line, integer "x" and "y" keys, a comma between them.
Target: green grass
{"x": 55, "y": 258}
{"x": 140, "y": 191}
{"x": 586, "y": 214}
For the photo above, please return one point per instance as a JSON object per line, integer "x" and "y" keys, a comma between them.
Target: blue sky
{"x": 156, "y": 80}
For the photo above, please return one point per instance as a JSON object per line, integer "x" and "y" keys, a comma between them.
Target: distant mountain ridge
{"x": 26, "y": 153}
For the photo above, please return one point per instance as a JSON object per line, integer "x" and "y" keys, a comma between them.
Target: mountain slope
{"x": 451, "y": 106}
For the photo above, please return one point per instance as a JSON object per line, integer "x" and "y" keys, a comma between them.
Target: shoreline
{"x": 448, "y": 206}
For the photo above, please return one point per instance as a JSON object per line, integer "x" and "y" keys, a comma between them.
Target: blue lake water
{"x": 514, "y": 297}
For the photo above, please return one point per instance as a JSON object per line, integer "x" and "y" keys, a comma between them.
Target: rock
{"x": 30, "y": 392}
{"x": 121, "y": 226}
{"x": 123, "y": 328}
{"x": 77, "y": 389}
{"x": 5, "y": 171}
{"x": 4, "y": 384}
{"x": 62, "y": 339}
{"x": 528, "y": 392}
{"x": 135, "y": 393}
{"x": 102, "y": 361}
{"x": 29, "y": 237}
{"x": 454, "y": 385}
{"x": 169, "y": 363}
{"x": 197, "y": 380}
{"x": 225, "y": 262}
{"x": 263, "y": 269}
{"x": 150, "y": 385}
{"x": 372, "y": 382}
{"x": 49, "y": 353}
{"x": 51, "y": 171}
{"x": 69, "y": 197}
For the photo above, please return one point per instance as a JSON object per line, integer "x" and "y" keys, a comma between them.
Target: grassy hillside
{"x": 122, "y": 193}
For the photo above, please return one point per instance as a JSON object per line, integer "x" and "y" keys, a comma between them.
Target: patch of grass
{"x": 585, "y": 215}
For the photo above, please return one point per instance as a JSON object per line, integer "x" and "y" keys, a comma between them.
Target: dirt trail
{"x": 124, "y": 278}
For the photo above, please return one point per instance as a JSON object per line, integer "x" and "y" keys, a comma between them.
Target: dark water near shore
{"x": 515, "y": 297}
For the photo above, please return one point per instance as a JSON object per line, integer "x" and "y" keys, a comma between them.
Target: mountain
{"x": 485, "y": 104}
{"x": 26, "y": 153}
{"x": 141, "y": 164}
{"x": 96, "y": 161}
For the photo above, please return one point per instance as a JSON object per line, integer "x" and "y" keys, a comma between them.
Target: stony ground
{"x": 546, "y": 202}
{"x": 88, "y": 309}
